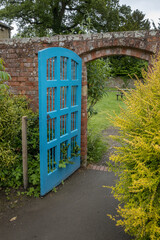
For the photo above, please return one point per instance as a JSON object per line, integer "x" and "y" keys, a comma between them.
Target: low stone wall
{"x": 118, "y": 82}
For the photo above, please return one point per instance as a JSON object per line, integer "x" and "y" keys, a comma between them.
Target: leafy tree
{"x": 154, "y": 25}
{"x": 127, "y": 67}
{"x": 97, "y": 73}
{"x": 44, "y": 17}
{"x": 131, "y": 21}
{"x": 48, "y": 17}
{"x": 137, "y": 160}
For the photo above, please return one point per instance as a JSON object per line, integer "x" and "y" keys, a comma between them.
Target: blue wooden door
{"x": 59, "y": 115}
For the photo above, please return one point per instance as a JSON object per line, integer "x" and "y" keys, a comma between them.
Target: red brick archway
{"x": 90, "y": 56}
{"x": 21, "y": 60}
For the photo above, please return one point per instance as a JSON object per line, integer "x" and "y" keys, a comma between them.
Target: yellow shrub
{"x": 137, "y": 161}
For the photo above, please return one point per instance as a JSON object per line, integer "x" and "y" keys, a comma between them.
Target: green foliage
{"x": 49, "y": 17}
{"x": 97, "y": 73}
{"x": 95, "y": 147}
{"x": 64, "y": 159}
{"x": 12, "y": 109}
{"x": 75, "y": 151}
{"x": 34, "y": 171}
{"x": 3, "y": 75}
{"x": 127, "y": 67}
{"x": 107, "y": 106}
{"x": 154, "y": 25}
{"x": 85, "y": 26}
{"x": 137, "y": 161}
{"x": 132, "y": 21}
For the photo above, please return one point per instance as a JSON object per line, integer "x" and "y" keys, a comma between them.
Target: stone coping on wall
{"x": 81, "y": 37}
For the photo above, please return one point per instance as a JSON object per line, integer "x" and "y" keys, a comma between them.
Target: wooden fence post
{"x": 24, "y": 152}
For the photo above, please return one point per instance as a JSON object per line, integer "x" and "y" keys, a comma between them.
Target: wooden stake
{"x": 24, "y": 152}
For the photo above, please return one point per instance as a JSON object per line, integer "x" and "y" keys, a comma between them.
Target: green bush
{"x": 98, "y": 72}
{"x": 137, "y": 161}
{"x": 95, "y": 147}
{"x": 3, "y": 75}
{"x": 127, "y": 67}
{"x": 12, "y": 109}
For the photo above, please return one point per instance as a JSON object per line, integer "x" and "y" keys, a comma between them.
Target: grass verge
{"x": 108, "y": 106}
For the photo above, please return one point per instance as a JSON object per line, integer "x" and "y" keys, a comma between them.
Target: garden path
{"x": 110, "y": 144}
{"x": 78, "y": 210}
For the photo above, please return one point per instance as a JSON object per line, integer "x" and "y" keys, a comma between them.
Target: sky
{"x": 149, "y": 7}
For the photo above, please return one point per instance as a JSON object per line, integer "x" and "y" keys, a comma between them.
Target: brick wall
{"x": 21, "y": 57}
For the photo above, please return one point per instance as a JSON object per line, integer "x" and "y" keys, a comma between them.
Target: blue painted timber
{"x": 60, "y": 73}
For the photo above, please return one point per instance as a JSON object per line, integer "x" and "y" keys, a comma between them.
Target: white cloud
{"x": 151, "y": 9}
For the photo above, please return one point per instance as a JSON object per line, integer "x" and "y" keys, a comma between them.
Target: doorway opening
{"x": 108, "y": 80}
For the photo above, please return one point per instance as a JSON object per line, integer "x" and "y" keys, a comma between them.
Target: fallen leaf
{"x": 13, "y": 219}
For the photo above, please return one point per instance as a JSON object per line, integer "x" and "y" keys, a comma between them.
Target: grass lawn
{"x": 108, "y": 105}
